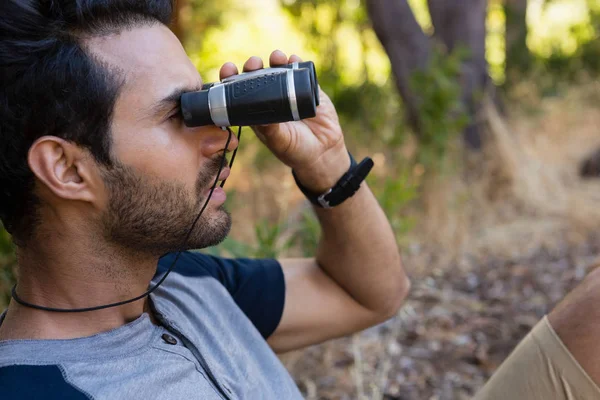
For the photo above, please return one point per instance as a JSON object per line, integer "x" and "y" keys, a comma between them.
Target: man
{"x": 101, "y": 178}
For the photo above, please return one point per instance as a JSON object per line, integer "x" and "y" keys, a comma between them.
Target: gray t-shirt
{"x": 215, "y": 315}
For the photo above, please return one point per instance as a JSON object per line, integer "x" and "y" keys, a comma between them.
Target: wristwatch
{"x": 345, "y": 188}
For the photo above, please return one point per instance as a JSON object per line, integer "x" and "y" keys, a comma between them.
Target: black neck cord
{"x": 185, "y": 241}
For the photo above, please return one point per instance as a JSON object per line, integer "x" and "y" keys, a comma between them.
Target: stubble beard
{"x": 154, "y": 217}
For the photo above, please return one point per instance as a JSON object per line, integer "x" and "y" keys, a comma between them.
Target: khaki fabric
{"x": 540, "y": 368}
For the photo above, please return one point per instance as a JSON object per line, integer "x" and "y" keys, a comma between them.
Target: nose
{"x": 214, "y": 140}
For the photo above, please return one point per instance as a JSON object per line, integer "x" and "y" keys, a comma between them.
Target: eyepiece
{"x": 195, "y": 108}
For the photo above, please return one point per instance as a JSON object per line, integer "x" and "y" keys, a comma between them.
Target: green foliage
{"x": 268, "y": 242}
{"x": 268, "y": 235}
{"x": 322, "y": 21}
{"x": 371, "y": 115}
{"x": 586, "y": 58}
{"x": 572, "y": 57}
{"x": 229, "y": 248}
{"x": 307, "y": 234}
{"x": 197, "y": 17}
{"x": 7, "y": 267}
{"x": 395, "y": 193}
{"x": 441, "y": 112}
{"x": 518, "y": 56}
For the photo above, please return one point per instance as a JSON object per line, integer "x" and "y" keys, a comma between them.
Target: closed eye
{"x": 175, "y": 115}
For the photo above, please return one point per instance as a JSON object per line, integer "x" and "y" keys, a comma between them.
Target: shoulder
{"x": 256, "y": 286}
{"x": 25, "y": 382}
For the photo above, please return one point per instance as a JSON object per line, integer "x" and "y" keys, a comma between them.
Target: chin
{"x": 213, "y": 231}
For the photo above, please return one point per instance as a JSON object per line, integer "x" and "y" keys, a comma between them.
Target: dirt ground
{"x": 485, "y": 271}
{"x": 458, "y": 325}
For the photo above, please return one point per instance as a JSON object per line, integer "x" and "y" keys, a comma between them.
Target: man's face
{"x": 163, "y": 170}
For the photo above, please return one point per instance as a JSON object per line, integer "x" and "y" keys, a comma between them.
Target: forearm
{"x": 358, "y": 249}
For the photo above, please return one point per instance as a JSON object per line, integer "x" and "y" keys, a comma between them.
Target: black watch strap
{"x": 345, "y": 188}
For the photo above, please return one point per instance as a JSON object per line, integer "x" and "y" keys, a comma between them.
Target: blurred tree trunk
{"x": 177, "y": 25}
{"x": 405, "y": 44}
{"x": 462, "y": 23}
{"x": 455, "y": 23}
{"x": 518, "y": 58}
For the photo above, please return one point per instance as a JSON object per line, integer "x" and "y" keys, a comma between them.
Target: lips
{"x": 218, "y": 195}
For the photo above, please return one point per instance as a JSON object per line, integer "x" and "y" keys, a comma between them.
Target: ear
{"x": 64, "y": 168}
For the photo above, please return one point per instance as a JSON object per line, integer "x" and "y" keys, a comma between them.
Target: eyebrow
{"x": 171, "y": 100}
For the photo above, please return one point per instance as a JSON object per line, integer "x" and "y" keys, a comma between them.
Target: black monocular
{"x": 267, "y": 96}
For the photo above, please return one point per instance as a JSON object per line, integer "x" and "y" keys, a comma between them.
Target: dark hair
{"x": 50, "y": 85}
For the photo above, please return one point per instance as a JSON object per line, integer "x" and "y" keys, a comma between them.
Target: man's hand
{"x": 356, "y": 279}
{"x": 313, "y": 147}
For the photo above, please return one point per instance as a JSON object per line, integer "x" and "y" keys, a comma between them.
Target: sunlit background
{"x": 556, "y": 28}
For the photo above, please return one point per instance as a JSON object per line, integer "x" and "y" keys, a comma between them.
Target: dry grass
{"x": 526, "y": 193}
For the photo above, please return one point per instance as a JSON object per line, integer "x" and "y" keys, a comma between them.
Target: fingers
{"x": 227, "y": 70}
{"x": 294, "y": 58}
{"x": 253, "y": 63}
{"x": 277, "y": 57}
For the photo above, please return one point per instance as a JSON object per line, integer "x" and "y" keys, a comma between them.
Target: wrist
{"x": 344, "y": 188}
{"x": 325, "y": 173}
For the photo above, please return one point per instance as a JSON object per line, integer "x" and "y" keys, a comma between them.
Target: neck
{"x": 72, "y": 271}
